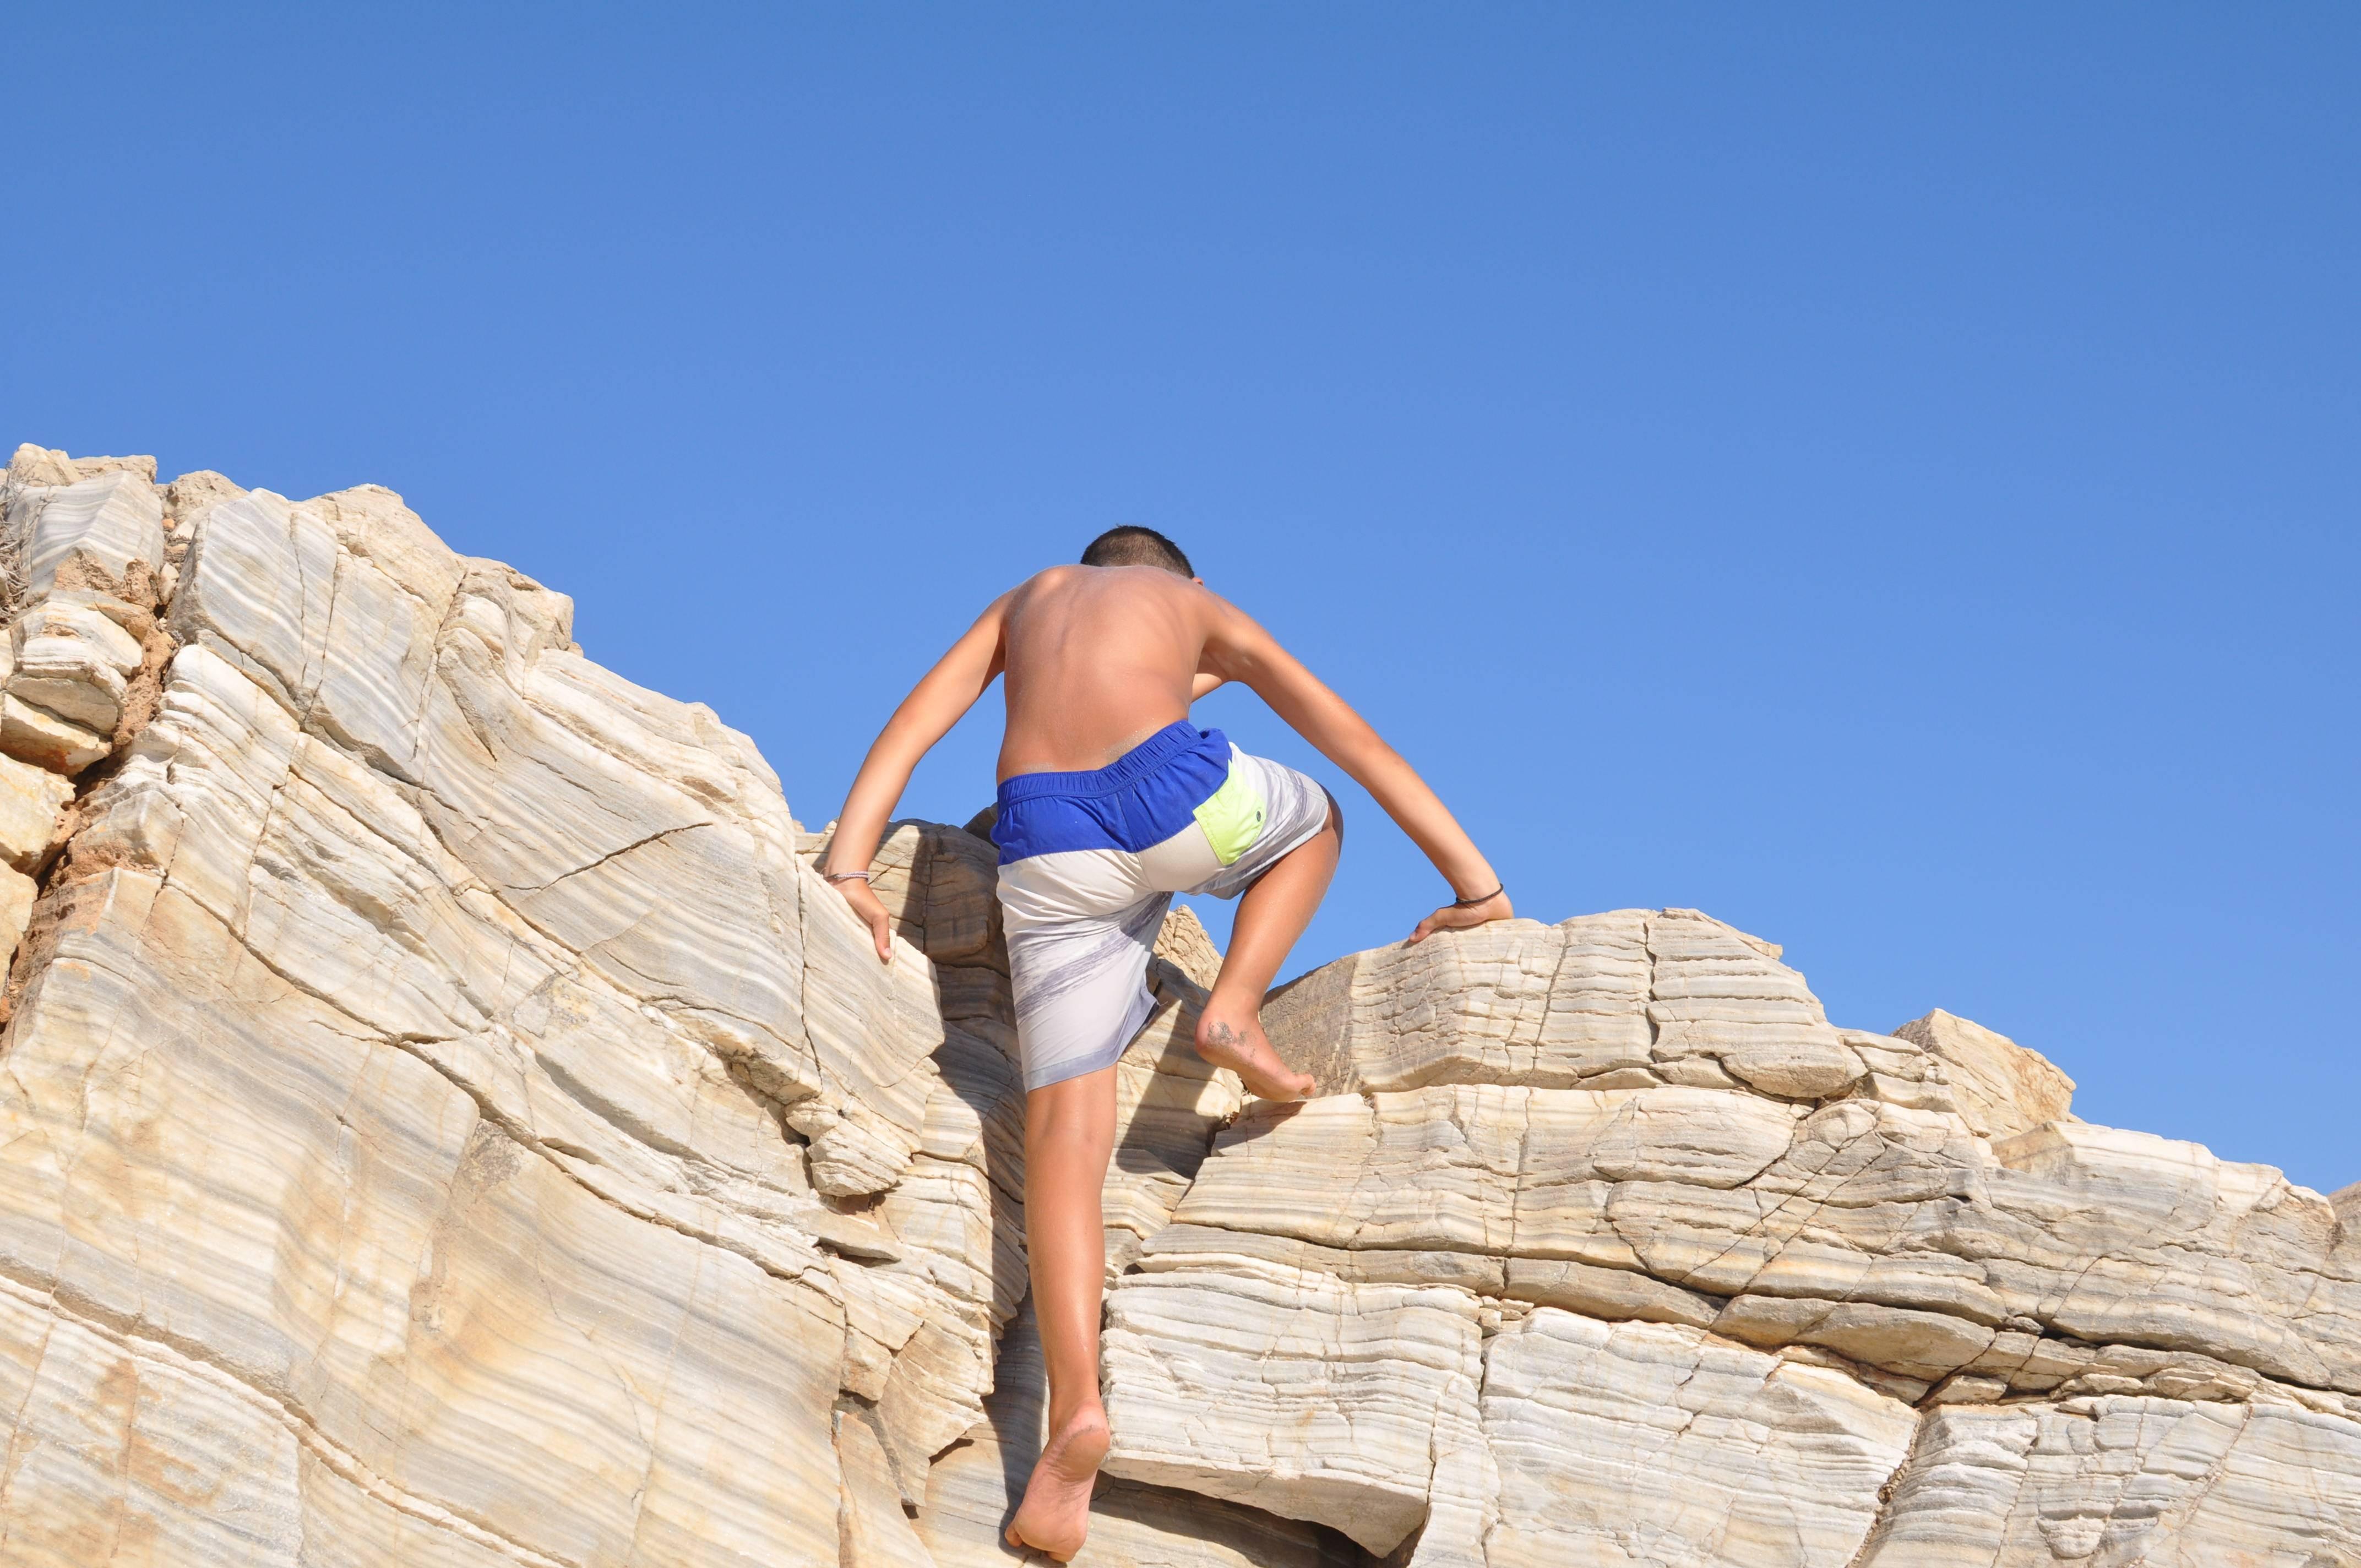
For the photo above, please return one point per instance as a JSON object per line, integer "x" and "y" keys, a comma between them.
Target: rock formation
{"x": 445, "y": 1120}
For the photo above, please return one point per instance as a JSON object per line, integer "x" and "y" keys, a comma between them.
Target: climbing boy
{"x": 1110, "y": 803}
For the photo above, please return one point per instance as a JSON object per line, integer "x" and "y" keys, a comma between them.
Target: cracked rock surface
{"x": 443, "y": 1119}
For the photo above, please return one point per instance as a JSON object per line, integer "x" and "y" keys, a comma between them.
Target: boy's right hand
{"x": 871, "y": 911}
{"x": 1461, "y": 917}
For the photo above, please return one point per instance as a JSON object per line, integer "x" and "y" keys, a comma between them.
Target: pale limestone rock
{"x": 1643, "y": 1442}
{"x": 1182, "y": 1245}
{"x": 2002, "y": 1088}
{"x": 30, "y": 801}
{"x": 374, "y": 925}
{"x": 143, "y": 465}
{"x": 1310, "y": 1022}
{"x": 122, "y": 1439}
{"x": 1717, "y": 992}
{"x": 1900, "y": 1072}
{"x": 1515, "y": 1002}
{"x": 938, "y": 883}
{"x": 482, "y": 894}
{"x": 1585, "y": 1438}
{"x": 36, "y": 464}
{"x": 1185, "y": 944}
{"x": 16, "y": 894}
{"x": 1922, "y": 1346}
{"x": 1289, "y": 1390}
{"x": 1927, "y": 1235}
{"x": 446, "y": 1120}
{"x": 72, "y": 660}
{"x": 35, "y": 735}
{"x": 975, "y": 1115}
{"x": 1613, "y": 1294}
{"x": 1482, "y": 1168}
{"x": 2187, "y": 1252}
{"x": 224, "y": 1163}
{"x": 2163, "y": 1482}
{"x": 2020, "y": 1363}
{"x": 972, "y": 1491}
{"x": 1617, "y": 1000}
{"x": 875, "y": 1532}
{"x": 104, "y": 532}
{"x": 337, "y": 615}
{"x": 188, "y": 499}
{"x": 78, "y": 563}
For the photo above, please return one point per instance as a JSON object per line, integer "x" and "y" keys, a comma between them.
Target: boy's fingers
{"x": 872, "y": 914}
{"x": 1456, "y": 918}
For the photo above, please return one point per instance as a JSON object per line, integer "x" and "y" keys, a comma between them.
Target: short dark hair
{"x": 1132, "y": 545}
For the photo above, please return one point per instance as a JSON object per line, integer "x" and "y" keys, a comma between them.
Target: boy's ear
{"x": 1199, "y": 581}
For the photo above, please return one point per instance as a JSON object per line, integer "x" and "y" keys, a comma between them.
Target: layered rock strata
{"x": 445, "y": 1120}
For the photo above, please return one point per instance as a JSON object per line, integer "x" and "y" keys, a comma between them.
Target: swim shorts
{"x": 1090, "y": 861}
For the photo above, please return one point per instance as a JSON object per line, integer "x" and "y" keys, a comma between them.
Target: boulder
{"x": 1616, "y": 1001}
{"x": 31, "y": 800}
{"x": 1290, "y": 1390}
{"x": 2000, "y": 1087}
{"x": 73, "y": 661}
{"x": 32, "y": 733}
{"x": 104, "y": 532}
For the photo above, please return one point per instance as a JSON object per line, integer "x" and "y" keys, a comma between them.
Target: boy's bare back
{"x": 1098, "y": 658}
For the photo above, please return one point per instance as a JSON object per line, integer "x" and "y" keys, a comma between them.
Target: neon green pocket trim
{"x": 1232, "y": 818}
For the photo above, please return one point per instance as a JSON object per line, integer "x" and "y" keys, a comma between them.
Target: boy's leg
{"x": 1271, "y": 915}
{"x": 1069, "y": 1135}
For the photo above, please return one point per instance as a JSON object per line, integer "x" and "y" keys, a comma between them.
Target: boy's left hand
{"x": 1458, "y": 917}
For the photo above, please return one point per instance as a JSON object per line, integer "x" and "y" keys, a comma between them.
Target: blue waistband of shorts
{"x": 1128, "y": 768}
{"x": 1140, "y": 799}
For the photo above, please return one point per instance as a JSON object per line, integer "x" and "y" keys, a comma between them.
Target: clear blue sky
{"x": 1886, "y": 476}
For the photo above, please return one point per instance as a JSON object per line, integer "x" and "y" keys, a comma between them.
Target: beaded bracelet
{"x": 833, "y": 877}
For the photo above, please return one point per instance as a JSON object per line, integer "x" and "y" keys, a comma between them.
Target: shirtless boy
{"x": 1110, "y": 803}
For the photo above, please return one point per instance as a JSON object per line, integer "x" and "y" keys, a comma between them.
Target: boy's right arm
{"x": 1237, "y": 649}
{"x": 942, "y": 696}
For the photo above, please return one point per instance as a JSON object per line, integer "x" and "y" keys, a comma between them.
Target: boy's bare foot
{"x": 1056, "y": 1514}
{"x": 1236, "y": 1042}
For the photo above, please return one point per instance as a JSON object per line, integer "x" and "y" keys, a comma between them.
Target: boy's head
{"x": 1132, "y": 545}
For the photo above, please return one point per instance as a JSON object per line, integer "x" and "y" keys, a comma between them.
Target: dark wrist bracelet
{"x": 1472, "y": 903}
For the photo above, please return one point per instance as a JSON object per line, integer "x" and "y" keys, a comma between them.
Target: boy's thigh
{"x": 1080, "y": 990}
